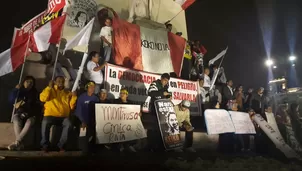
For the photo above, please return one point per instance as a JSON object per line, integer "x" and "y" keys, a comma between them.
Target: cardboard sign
{"x": 118, "y": 123}
{"x": 218, "y": 121}
{"x": 242, "y": 123}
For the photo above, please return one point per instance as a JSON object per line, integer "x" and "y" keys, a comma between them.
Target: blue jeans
{"x": 107, "y": 53}
{"x": 59, "y": 72}
{"x": 49, "y": 121}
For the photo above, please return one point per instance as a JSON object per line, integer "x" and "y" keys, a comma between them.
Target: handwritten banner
{"x": 168, "y": 124}
{"x": 276, "y": 137}
{"x": 118, "y": 123}
{"x": 138, "y": 82}
{"x": 242, "y": 123}
{"x": 218, "y": 121}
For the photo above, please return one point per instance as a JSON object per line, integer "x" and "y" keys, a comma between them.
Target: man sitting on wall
{"x": 182, "y": 112}
{"x": 58, "y": 104}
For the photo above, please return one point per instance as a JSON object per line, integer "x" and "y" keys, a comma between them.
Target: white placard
{"x": 242, "y": 123}
{"x": 218, "y": 121}
{"x": 275, "y": 137}
{"x": 138, "y": 82}
{"x": 118, "y": 123}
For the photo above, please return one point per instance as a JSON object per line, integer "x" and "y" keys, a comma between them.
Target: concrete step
{"x": 201, "y": 141}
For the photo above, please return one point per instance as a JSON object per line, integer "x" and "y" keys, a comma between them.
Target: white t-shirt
{"x": 96, "y": 76}
{"x": 207, "y": 81}
{"x": 106, "y": 31}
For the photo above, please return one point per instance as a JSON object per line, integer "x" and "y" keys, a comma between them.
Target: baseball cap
{"x": 186, "y": 103}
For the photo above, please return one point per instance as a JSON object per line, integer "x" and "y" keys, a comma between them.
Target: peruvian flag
{"x": 12, "y": 58}
{"x": 56, "y": 5}
{"x": 47, "y": 34}
{"x": 151, "y": 50}
{"x": 185, "y": 3}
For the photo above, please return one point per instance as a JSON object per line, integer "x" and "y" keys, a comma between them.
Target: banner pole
{"x": 58, "y": 50}
{"x": 20, "y": 78}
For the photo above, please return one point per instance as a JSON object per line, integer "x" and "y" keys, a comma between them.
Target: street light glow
{"x": 293, "y": 65}
{"x": 275, "y": 67}
{"x": 269, "y": 62}
{"x": 292, "y": 58}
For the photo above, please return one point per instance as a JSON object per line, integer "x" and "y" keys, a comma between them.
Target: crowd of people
{"x": 55, "y": 105}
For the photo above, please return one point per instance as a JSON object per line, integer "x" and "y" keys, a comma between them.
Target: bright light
{"x": 275, "y": 67}
{"x": 269, "y": 62}
{"x": 292, "y": 58}
{"x": 293, "y": 65}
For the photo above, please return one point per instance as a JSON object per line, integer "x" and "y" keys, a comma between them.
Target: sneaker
{"x": 131, "y": 149}
{"x": 191, "y": 150}
{"x": 12, "y": 146}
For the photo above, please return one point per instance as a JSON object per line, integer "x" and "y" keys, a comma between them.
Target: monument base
{"x": 149, "y": 24}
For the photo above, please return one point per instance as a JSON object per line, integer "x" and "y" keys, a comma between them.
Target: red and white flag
{"x": 12, "y": 58}
{"x": 156, "y": 51}
{"x": 185, "y": 3}
{"x": 56, "y": 5}
{"x": 46, "y": 34}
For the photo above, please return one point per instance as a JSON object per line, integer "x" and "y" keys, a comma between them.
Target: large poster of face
{"x": 168, "y": 123}
{"x": 81, "y": 12}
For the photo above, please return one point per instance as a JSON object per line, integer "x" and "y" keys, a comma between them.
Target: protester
{"x": 168, "y": 26}
{"x": 85, "y": 111}
{"x": 106, "y": 37}
{"x": 207, "y": 79}
{"x": 26, "y": 110}
{"x": 103, "y": 96}
{"x": 228, "y": 95}
{"x": 123, "y": 99}
{"x": 247, "y": 98}
{"x": 58, "y": 104}
{"x": 239, "y": 96}
{"x": 94, "y": 70}
{"x": 182, "y": 111}
{"x": 157, "y": 90}
{"x": 257, "y": 102}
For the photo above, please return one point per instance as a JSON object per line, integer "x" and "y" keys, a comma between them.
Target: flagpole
{"x": 80, "y": 71}
{"x": 58, "y": 50}
{"x": 20, "y": 78}
{"x": 175, "y": 16}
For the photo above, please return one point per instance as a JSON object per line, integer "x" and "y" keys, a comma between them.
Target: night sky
{"x": 217, "y": 24}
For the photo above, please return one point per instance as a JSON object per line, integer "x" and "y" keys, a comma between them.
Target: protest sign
{"x": 168, "y": 124}
{"x": 138, "y": 82}
{"x": 118, "y": 123}
{"x": 218, "y": 121}
{"x": 275, "y": 137}
{"x": 242, "y": 123}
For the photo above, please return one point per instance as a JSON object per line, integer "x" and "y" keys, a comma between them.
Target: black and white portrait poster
{"x": 168, "y": 123}
{"x": 81, "y": 12}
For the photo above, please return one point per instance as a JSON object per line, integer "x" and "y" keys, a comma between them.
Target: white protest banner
{"x": 138, "y": 82}
{"x": 155, "y": 51}
{"x": 275, "y": 137}
{"x": 242, "y": 123}
{"x": 218, "y": 121}
{"x": 118, "y": 123}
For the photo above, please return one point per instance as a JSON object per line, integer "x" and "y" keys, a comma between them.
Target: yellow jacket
{"x": 58, "y": 103}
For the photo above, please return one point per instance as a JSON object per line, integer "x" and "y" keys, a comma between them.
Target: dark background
{"x": 217, "y": 24}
